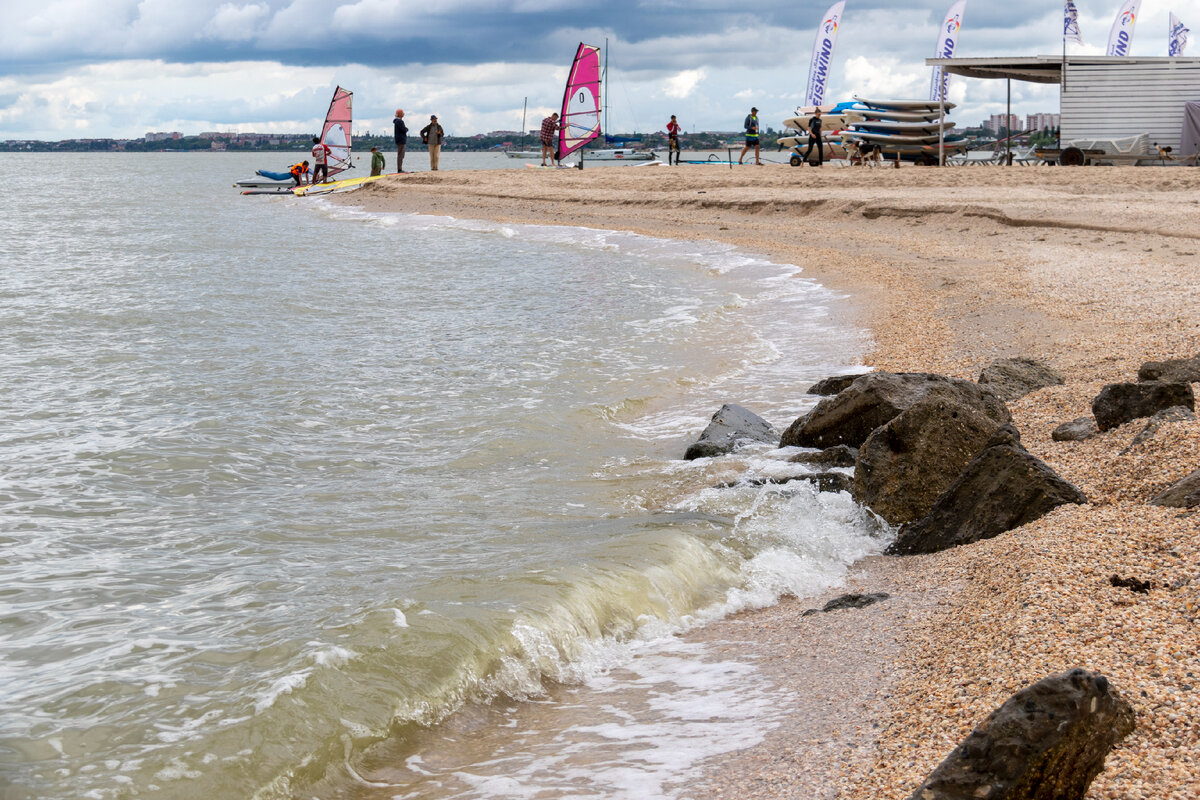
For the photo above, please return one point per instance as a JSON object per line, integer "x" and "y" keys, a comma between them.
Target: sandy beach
{"x": 1092, "y": 270}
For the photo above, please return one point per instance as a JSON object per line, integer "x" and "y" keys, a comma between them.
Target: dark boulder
{"x": 1016, "y": 377}
{"x": 833, "y": 385}
{"x": 1076, "y": 430}
{"x": 849, "y": 601}
{"x": 1183, "y": 494}
{"x": 1119, "y": 403}
{"x": 906, "y": 464}
{"x": 1046, "y": 742}
{"x": 839, "y": 456}
{"x": 1004, "y": 487}
{"x": 731, "y": 427}
{"x": 1177, "y": 370}
{"x": 878, "y": 397}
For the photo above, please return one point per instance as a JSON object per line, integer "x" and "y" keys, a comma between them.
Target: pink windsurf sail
{"x": 579, "y": 122}
{"x": 336, "y": 132}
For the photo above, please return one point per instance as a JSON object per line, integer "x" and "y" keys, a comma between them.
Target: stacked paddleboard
{"x": 907, "y": 128}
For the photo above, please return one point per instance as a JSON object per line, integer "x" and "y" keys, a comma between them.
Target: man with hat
{"x": 401, "y": 138}
{"x": 432, "y": 135}
{"x": 751, "y": 126}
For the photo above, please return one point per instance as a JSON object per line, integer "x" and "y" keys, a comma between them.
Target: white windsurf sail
{"x": 336, "y": 131}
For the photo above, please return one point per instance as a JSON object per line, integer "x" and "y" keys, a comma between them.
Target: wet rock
{"x": 906, "y": 464}
{"x": 1076, "y": 430}
{"x": 1016, "y": 377}
{"x": 834, "y": 384}
{"x": 1119, "y": 403}
{"x": 849, "y": 601}
{"x": 1004, "y": 487}
{"x": 878, "y": 397}
{"x": 839, "y": 456}
{"x": 1046, "y": 742}
{"x": 1178, "y": 370}
{"x": 825, "y": 481}
{"x": 1183, "y": 494}
{"x": 731, "y": 427}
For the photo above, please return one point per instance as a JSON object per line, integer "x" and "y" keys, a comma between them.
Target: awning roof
{"x": 1032, "y": 69}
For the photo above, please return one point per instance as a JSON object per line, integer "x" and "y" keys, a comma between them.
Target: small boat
{"x": 620, "y": 154}
{"x": 523, "y": 153}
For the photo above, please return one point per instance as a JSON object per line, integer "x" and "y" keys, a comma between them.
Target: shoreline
{"x": 950, "y": 269}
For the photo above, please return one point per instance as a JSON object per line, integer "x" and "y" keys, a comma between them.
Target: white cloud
{"x": 237, "y": 23}
{"x": 683, "y": 84}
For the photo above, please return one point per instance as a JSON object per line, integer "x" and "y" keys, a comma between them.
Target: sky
{"x": 72, "y": 69}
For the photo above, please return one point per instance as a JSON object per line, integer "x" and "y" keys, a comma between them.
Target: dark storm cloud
{"x": 383, "y": 33}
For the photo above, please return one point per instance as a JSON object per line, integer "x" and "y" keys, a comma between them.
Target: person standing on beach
{"x": 673, "y": 140}
{"x": 401, "y": 138}
{"x": 432, "y": 135}
{"x": 320, "y": 153}
{"x": 751, "y": 126}
{"x": 377, "y": 162}
{"x": 814, "y": 138}
{"x": 549, "y": 128}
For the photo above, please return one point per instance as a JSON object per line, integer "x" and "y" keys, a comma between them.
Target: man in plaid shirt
{"x": 549, "y": 128}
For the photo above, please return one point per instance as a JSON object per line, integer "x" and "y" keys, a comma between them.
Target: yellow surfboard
{"x": 337, "y": 186}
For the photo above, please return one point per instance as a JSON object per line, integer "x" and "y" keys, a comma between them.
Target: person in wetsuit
{"x": 814, "y": 137}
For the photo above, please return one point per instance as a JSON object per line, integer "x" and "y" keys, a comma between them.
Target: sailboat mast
{"x": 524, "y": 106}
{"x": 603, "y": 84}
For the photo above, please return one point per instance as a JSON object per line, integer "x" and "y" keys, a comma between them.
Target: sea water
{"x": 301, "y": 501}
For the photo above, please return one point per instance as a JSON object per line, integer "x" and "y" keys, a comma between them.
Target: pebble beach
{"x": 1091, "y": 270}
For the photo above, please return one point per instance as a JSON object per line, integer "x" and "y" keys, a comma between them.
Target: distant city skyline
{"x": 121, "y": 68}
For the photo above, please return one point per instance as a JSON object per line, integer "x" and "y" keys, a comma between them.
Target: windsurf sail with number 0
{"x": 336, "y": 132}
{"x": 579, "y": 122}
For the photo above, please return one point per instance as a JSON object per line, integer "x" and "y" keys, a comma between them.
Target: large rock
{"x": 833, "y": 385}
{"x": 1004, "y": 487}
{"x": 1016, "y": 377}
{"x": 875, "y": 399}
{"x": 1184, "y": 494}
{"x": 731, "y": 427}
{"x": 1119, "y": 403}
{"x": 1177, "y": 370}
{"x": 1046, "y": 742}
{"x": 1172, "y": 414}
{"x": 906, "y": 464}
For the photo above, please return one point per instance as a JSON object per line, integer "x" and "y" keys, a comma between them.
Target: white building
{"x": 1041, "y": 122}
{"x": 998, "y": 122}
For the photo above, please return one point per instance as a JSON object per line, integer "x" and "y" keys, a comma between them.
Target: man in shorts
{"x": 320, "y": 152}
{"x": 751, "y": 126}
{"x": 672, "y": 141}
{"x": 549, "y": 128}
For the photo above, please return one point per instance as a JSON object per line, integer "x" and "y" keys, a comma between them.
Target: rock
{"x": 1076, "y": 430}
{"x": 825, "y": 481}
{"x": 878, "y": 397}
{"x": 833, "y": 385}
{"x": 1046, "y": 742}
{"x": 1119, "y": 403}
{"x": 731, "y": 427}
{"x": 1016, "y": 377}
{"x": 839, "y": 456}
{"x": 906, "y": 464}
{"x": 1004, "y": 487}
{"x": 1184, "y": 494}
{"x": 1172, "y": 414}
{"x": 849, "y": 601}
{"x": 1178, "y": 370}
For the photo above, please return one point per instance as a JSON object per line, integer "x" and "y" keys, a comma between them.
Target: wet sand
{"x": 1093, "y": 270}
